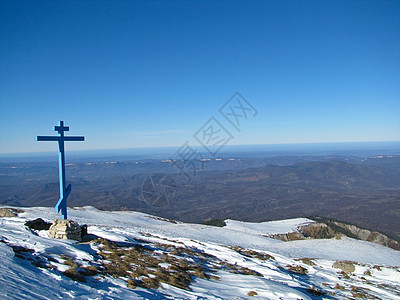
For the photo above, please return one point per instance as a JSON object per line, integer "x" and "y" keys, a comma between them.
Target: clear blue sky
{"x": 150, "y": 73}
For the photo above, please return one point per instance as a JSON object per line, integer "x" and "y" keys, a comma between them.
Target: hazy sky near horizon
{"x": 152, "y": 73}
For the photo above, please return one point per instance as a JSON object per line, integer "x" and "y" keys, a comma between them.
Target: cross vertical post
{"x": 64, "y": 190}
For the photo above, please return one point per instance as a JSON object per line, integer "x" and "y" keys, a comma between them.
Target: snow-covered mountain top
{"x": 236, "y": 233}
{"x": 233, "y": 261}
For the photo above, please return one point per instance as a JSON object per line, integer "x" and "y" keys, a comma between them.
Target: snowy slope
{"x": 231, "y": 252}
{"x": 272, "y": 227}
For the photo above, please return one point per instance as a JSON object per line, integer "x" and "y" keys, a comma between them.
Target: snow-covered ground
{"x": 239, "y": 244}
{"x": 272, "y": 227}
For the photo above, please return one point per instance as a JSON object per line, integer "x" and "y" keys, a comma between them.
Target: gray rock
{"x": 38, "y": 224}
{"x": 370, "y": 236}
{"x": 65, "y": 229}
{"x": 84, "y": 230}
{"x": 7, "y": 212}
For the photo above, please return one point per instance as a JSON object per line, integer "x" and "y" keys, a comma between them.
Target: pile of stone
{"x": 65, "y": 229}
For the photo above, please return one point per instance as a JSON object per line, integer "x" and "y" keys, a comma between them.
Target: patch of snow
{"x": 267, "y": 228}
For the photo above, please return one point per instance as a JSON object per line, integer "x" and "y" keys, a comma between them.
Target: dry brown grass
{"x": 252, "y": 293}
{"x": 379, "y": 268}
{"x": 361, "y": 293}
{"x": 239, "y": 269}
{"x": 78, "y": 272}
{"x": 315, "y": 291}
{"x": 297, "y": 269}
{"x": 345, "y": 266}
{"x": 344, "y": 275}
{"x": 368, "y": 273}
{"x": 252, "y": 253}
{"x": 142, "y": 266}
{"x": 307, "y": 261}
{"x": 339, "y": 287}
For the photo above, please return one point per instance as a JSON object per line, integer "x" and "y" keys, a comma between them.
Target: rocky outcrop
{"x": 309, "y": 231}
{"x": 6, "y": 212}
{"x": 9, "y": 212}
{"x": 317, "y": 231}
{"x": 325, "y": 228}
{"x": 368, "y": 235}
{"x": 286, "y": 237}
{"x": 65, "y": 229}
{"x": 38, "y": 224}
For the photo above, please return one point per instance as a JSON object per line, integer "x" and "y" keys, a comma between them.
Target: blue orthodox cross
{"x": 64, "y": 191}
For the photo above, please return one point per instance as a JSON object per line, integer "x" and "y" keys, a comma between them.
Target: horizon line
{"x": 197, "y": 146}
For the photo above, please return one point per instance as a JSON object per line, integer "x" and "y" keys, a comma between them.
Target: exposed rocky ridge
{"x": 309, "y": 231}
{"x": 370, "y": 236}
{"x": 326, "y": 228}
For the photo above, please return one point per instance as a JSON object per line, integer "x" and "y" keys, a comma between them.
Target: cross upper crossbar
{"x": 61, "y": 128}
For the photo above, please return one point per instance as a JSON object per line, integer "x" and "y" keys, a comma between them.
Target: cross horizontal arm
{"x": 73, "y": 138}
{"x": 47, "y": 138}
{"x": 60, "y": 138}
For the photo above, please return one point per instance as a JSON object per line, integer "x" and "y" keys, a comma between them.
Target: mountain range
{"x": 363, "y": 191}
